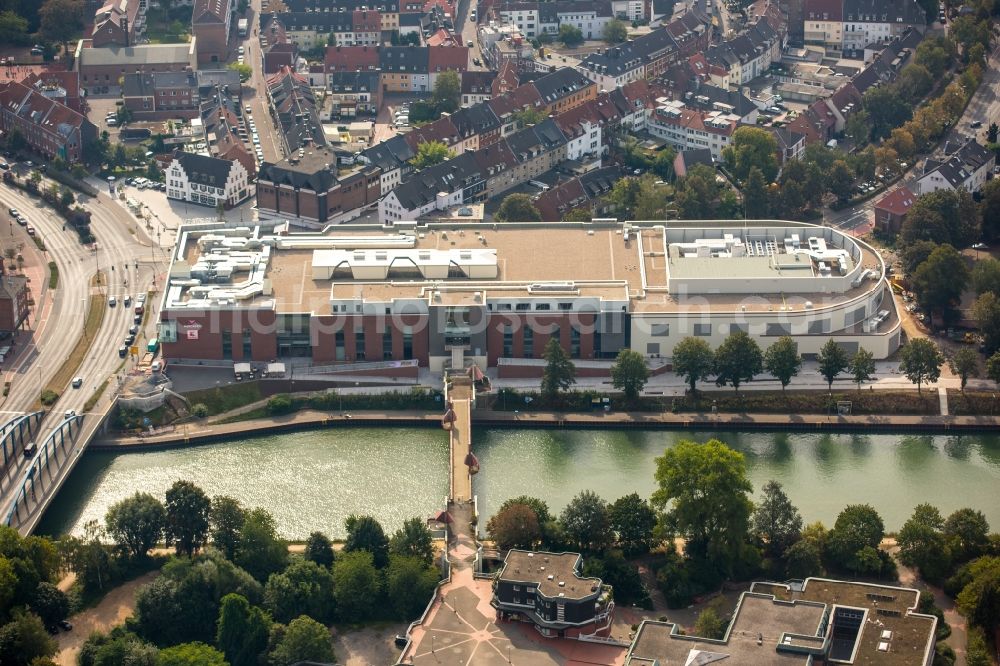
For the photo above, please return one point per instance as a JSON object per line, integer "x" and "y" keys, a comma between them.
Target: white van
{"x": 539, "y": 184}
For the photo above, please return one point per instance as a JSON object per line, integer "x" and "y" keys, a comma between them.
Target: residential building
{"x": 495, "y": 294}
{"x": 211, "y": 22}
{"x": 547, "y": 590}
{"x": 477, "y": 87}
{"x": 686, "y": 159}
{"x": 14, "y": 302}
{"x": 891, "y": 210}
{"x": 564, "y": 89}
{"x": 220, "y": 113}
{"x": 279, "y": 55}
{"x": 580, "y": 192}
{"x": 823, "y": 23}
{"x": 446, "y": 59}
{"x": 306, "y": 187}
{"x": 404, "y": 69}
{"x": 102, "y": 69}
{"x": 435, "y": 188}
{"x": 161, "y": 95}
{"x": 352, "y": 59}
{"x": 207, "y": 181}
{"x": 308, "y": 30}
{"x": 118, "y": 23}
{"x": 392, "y": 158}
{"x": 293, "y": 107}
{"x": 967, "y": 168}
{"x": 388, "y": 10}
{"x": 50, "y": 128}
{"x": 354, "y": 93}
{"x": 686, "y": 128}
{"x": 791, "y": 144}
{"x": 803, "y": 622}
{"x": 868, "y": 21}
{"x": 58, "y": 85}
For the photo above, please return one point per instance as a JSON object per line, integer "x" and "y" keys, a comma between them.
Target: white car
{"x": 240, "y": 60}
{"x": 241, "y": 50}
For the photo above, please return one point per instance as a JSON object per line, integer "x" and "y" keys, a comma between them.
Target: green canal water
{"x": 313, "y": 480}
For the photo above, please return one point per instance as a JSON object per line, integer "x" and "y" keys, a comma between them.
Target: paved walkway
{"x": 460, "y": 396}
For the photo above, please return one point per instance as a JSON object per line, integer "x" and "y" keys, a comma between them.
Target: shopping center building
{"x": 445, "y": 294}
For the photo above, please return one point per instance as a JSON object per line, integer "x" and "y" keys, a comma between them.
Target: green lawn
{"x": 225, "y": 398}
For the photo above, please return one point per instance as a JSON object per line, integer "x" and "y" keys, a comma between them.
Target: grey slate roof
{"x": 560, "y": 83}
{"x": 449, "y": 176}
{"x": 204, "y": 170}
{"x": 404, "y": 59}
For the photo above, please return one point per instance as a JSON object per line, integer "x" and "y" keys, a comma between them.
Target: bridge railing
{"x": 51, "y": 448}
{"x": 12, "y": 434}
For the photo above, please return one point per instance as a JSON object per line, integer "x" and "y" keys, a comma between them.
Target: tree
{"x": 979, "y": 600}
{"x": 413, "y": 539}
{"x": 697, "y": 193}
{"x": 858, "y": 527}
{"x": 632, "y": 521}
{"x": 366, "y": 533}
{"x": 518, "y": 208}
{"x": 693, "y": 359}
{"x": 303, "y": 588}
{"x": 529, "y": 116}
{"x": 986, "y": 312}
{"x": 304, "y": 639}
{"x": 356, "y": 585}
{"x": 579, "y": 214}
{"x": 225, "y": 519}
{"x": 559, "y": 373}
{"x": 629, "y": 373}
{"x": 136, "y": 523}
{"x": 986, "y": 273}
{"x": 737, "y": 360}
{"x": 803, "y": 559}
{"x": 261, "y": 552}
{"x": 709, "y": 625}
{"x": 934, "y": 54}
{"x": 941, "y": 279}
{"x": 862, "y": 366}
{"x": 782, "y": 360}
{"x": 776, "y": 521}
{"x": 943, "y": 216}
{"x": 89, "y": 558}
{"x": 832, "y": 361}
{"x": 841, "y": 180}
{"x": 13, "y": 28}
{"x": 615, "y": 31}
{"x": 755, "y": 196}
{"x": 752, "y": 147}
{"x": 514, "y": 526}
{"x": 977, "y": 652}
{"x": 663, "y": 163}
{"x": 570, "y": 35}
{"x": 922, "y": 543}
{"x": 319, "y": 549}
{"x": 915, "y": 254}
{"x": 191, "y": 654}
{"x": 245, "y": 71}
{"x": 242, "y": 631}
{"x": 967, "y": 533}
{"x": 187, "y": 517}
{"x": 409, "y": 582}
{"x": 965, "y": 364}
{"x": 914, "y": 82}
{"x": 430, "y": 153}
{"x": 704, "y": 491}
{"x": 859, "y": 127}
{"x": 25, "y": 639}
{"x": 50, "y": 604}
{"x": 586, "y": 522}
{"x": 993, "y": 368}
{"x": 887, "y": 110}
{"x": 990, "y": 209}
{"x": 119, "y": 646}
{"x": 920, "y": 361}
{"x": 448, "y": 91}
{"x": 60, "y": 21}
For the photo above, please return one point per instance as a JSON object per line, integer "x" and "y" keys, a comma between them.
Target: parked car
{"x": 129, "y": 340}
{"x": 122, "y": 351}
{"x": 976, "y": 124}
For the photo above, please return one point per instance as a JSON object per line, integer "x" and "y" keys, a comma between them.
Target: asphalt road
{"x": 255, "y": 90}
{"x": 57, "y": 332}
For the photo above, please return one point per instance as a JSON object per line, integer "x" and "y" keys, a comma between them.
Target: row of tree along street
{"x": 231, "y": 594}
{"x": 703, "y": 499}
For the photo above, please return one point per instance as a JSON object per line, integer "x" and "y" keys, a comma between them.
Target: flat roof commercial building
{"x": 803, "y": 622}
{"x": 446, "y": 293}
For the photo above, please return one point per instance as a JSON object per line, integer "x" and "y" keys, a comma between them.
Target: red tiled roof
{"x": 351, "y": 58}
{"x": 567, "y": 196}
{"x": 833, "y": 10}
{"x": 898, "y": 201}
{"x": 366, "y": 20}
{"x": 443, "y": 58}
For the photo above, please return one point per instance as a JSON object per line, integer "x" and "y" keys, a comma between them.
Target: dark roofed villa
{"x": 547, "y": 590}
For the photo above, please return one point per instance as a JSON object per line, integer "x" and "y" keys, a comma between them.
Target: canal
{"x": 313, "y": 480}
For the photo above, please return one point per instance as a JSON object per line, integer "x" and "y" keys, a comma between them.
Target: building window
{"x": 359, "y": 345}
{"x": 387, "y": 344}
{"x": 407, "y": 344}
{"x": 227, "y": 344}
{"x": 703, "y": 330}
{"x": 340, "y": 352}
{"x": 660, "y": 330}
{"x": 529, "y": 342}
{"x": 247, "y": 344}
{"x": 508, "y": 341}
{"x": 574, "y": 342}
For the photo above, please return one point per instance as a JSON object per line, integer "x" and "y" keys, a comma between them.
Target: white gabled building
{"x": 207, "y": 181}
{"x": 967, "y": 169}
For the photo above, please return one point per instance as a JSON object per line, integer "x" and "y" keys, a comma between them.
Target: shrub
{"x": 48, "y": 397}
{"x": 279, "y": 404}
{"x": 200, "y": 410}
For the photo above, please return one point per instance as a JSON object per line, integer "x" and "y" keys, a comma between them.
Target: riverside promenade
{"x": 204, "y": 432}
